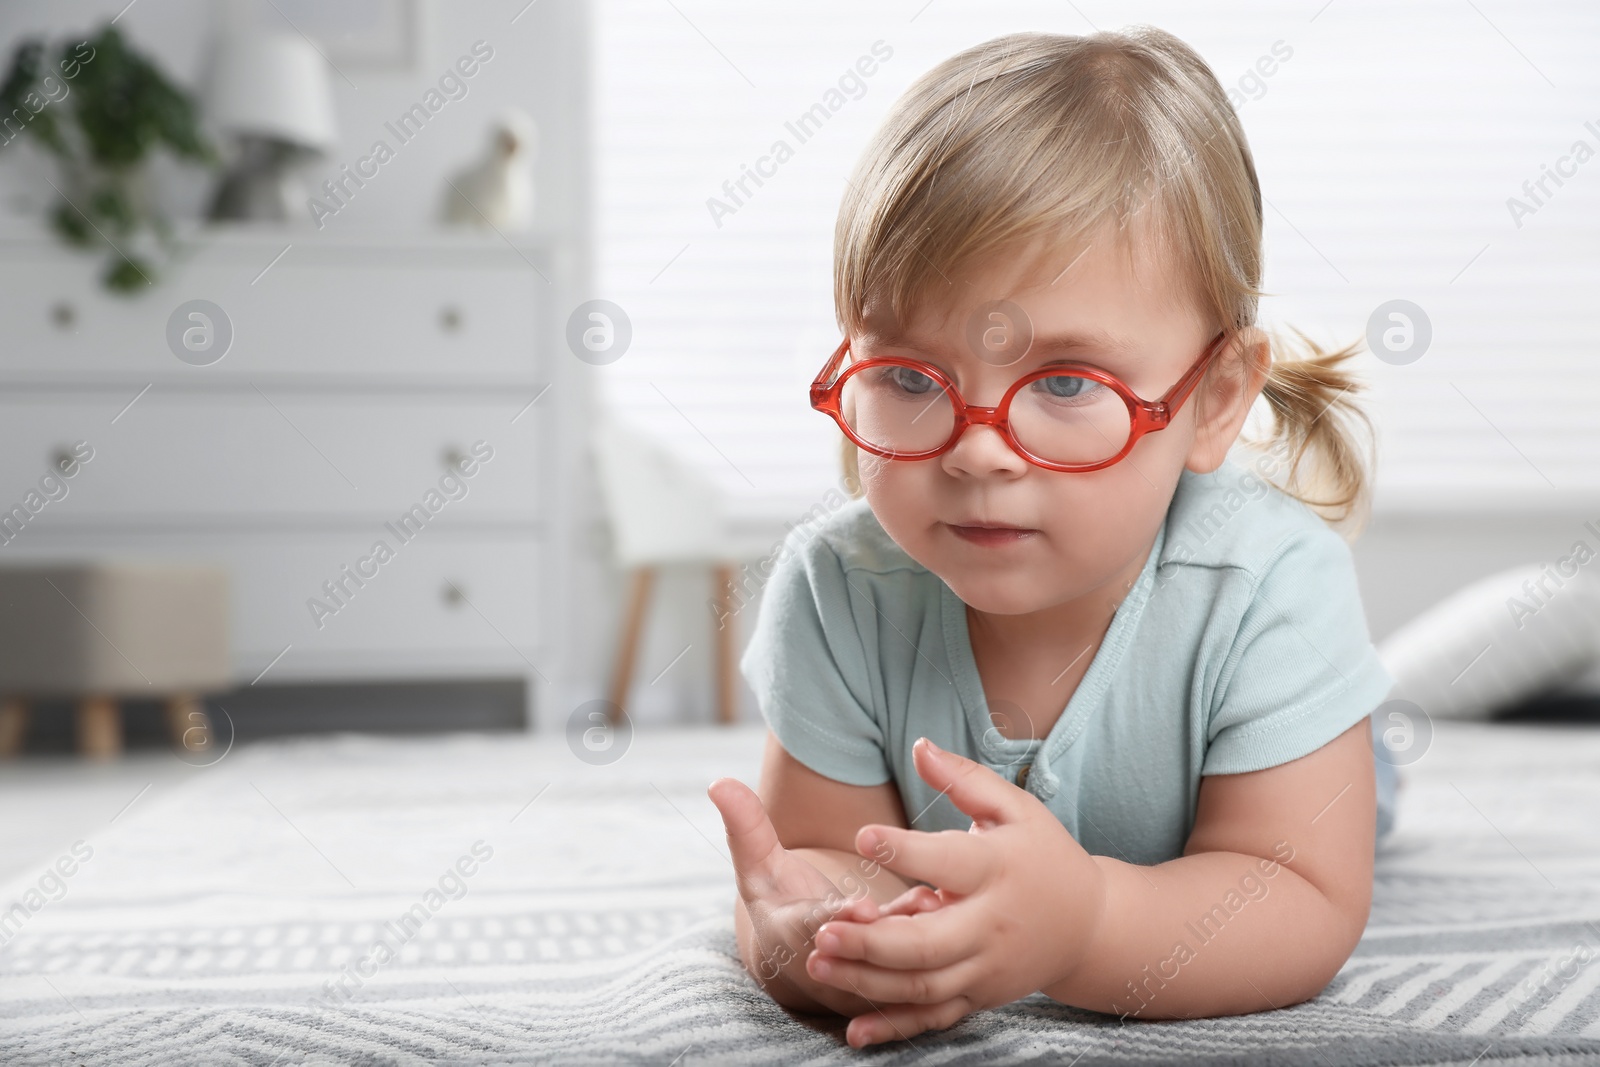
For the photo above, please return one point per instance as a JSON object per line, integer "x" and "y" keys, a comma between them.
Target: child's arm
{"x": 1261, "y": 911}
{"x": 1027, "y": 909}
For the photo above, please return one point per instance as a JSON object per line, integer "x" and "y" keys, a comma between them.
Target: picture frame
{"x": 374, "y": 36}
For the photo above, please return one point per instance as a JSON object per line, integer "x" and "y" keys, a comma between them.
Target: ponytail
{"x": 1317, "y": 425}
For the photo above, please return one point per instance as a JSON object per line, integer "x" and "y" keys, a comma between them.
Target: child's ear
{"x": 1224, "y": 398}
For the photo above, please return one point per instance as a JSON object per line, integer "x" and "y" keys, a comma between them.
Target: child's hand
{"x": 787, "y": 898}
{"x": 1017, "y": 905}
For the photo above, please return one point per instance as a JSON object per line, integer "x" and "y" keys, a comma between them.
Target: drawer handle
{"x": 64, "y": 461}
{"x": 64, "y": 315}
{"x": 453, "y": 595}
{"x": 450, "y": 318}
{"x": 453, "y": 458}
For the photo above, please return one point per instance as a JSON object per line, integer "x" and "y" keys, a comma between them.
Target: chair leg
{"x": 188, "y": 724}
{"x": 99, "y": 727}
{"x": 727, "y": 657}
{"x": 628, "y": 641}
{"x": 13, "y": 725}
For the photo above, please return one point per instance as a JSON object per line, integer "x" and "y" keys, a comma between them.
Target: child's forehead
{"x": 1080, "y": 275}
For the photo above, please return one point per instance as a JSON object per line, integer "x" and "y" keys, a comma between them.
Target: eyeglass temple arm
{"x": 1169, "y": 404}
{"x": 819, "y": 386}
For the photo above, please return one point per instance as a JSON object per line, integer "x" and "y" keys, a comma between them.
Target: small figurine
{"x": 497, "y": 191}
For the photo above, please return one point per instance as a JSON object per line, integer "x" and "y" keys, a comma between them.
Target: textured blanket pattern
{"x": 496, "y": 900}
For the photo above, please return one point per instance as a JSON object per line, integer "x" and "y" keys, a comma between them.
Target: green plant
{"x": 102, "y": 109}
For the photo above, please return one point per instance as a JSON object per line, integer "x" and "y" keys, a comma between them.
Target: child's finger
{"x": 897, "y": 1022}
{"x": 752, "y": 841}
{"x": 975, "y": 789}
{"x": 914, "y": 901}
{"x": 940, "y": 938}
{"x": 889, "y": 985}
{"x": 863, "y": 909}
{"x": 953, "y": 860}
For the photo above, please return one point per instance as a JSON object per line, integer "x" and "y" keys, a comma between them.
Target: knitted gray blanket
{"x": 478, "y": 899}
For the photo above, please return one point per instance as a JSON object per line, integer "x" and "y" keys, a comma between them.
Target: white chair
{"x": 663, "y": 512}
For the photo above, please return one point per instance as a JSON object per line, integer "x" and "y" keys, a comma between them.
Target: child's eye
{"x": 1067, "y": 386}
{"x": 909, "y": 381}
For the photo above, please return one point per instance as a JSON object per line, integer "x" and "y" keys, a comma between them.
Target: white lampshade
{"x": 271, "y": 84}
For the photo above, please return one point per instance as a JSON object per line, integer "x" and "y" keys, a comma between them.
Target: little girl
{"x": 1072, "y": 701}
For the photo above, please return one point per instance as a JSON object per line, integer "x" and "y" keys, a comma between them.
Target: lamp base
{"x": 260, "y": 185}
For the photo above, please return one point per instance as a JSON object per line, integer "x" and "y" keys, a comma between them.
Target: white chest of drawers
{"x": 367, "y": 381}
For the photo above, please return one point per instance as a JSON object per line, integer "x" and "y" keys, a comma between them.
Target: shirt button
{"x": 1022, "y": 776}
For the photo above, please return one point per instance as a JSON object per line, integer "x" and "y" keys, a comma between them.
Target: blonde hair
{"x": 1036, "y": 134}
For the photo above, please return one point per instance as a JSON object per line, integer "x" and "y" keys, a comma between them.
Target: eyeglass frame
{"x": 1144, "y": 416}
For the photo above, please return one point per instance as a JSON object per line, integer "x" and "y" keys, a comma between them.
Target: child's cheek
{"x": 875, "y": 471}
{"x": 892, "y": 490}
{"x": 904, "y": 503}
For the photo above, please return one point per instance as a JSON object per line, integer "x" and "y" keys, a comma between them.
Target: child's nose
{"x": 983, "y": 450}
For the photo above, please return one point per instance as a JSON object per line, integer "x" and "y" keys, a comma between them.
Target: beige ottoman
{"x": 102, "y": 631}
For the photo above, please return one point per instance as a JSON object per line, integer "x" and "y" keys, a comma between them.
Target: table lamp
{"x": 270, "y": 93}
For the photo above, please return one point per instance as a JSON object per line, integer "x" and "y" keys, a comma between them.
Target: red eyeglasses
{"x": 1068, "y": 417}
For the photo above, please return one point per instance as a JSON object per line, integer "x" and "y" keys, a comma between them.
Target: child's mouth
{"x": 991, "y": 535}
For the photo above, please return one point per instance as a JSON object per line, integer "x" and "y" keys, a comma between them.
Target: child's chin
{"x": 1006, "y": 597}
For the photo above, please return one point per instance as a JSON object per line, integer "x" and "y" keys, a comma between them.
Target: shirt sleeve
{"x": 809, "y": 669}
{"x": 1302, "y": 668}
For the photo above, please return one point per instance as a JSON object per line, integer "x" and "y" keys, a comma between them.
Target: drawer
{"x": 436, "y": 594}
{"x": 253, "y": 457}
{"x": 460, "y": 318}
{"x": 404, "y": 618}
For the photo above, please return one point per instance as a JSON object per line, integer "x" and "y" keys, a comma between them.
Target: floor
{"x": 47, "y": 802}
{"x": 50, "y": 798}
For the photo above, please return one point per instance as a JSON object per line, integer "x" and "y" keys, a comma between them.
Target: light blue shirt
{"x": 1242, "y": 645}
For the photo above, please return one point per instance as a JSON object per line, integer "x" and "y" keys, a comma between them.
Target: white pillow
{"x": 1499, "y": 641}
